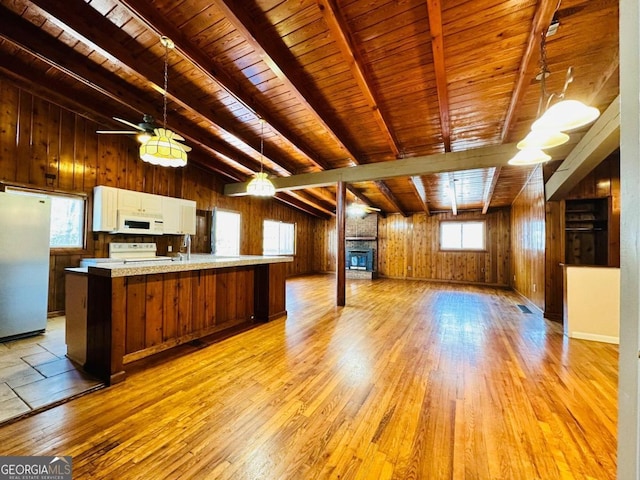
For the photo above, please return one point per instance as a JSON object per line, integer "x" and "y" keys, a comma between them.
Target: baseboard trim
{"x": 594, "y": 337}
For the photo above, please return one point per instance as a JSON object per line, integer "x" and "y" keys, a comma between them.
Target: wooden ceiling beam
{"x": 97, "y": 31}
{"x": 338, "y": 28}
{"x": 157, "y": 23}
{"x": 437, "y": 47}
{"x": 541, "y": 21}
{"x": 391, "y": 198}
{"x": 275, "y": 58}
{"x": 295, "y": 202}
{"x": 418, "y": 187}
{"x": 75, "y": 65}
{"x": 271, "y": 54}
{"x": 150, "y": 16}
{"x": 489, "y": 188}
{"x": 486, "y": 157}
{"x": 303, "y": 196}
{"x": 453, "y": 194}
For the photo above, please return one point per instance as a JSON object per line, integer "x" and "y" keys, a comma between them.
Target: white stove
{"x": 127, "y": 253}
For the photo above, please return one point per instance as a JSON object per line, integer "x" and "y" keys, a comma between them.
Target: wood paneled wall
{"x": 528, "y": 240}
{"x": 47, "y": 146}
{"x": 408, "y": 248}
{"x": 539, "y": 263}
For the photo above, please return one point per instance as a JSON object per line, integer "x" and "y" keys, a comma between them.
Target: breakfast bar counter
{"x": 137, "y": 309}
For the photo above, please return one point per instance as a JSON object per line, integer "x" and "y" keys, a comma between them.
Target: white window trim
{"x": 463, "y": 249}
{"x": 43, "y": 192}
{"x": 214, "y": 236}
{"x": 280, "y": 252}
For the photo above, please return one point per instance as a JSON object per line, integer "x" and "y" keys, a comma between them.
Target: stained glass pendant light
{"x": 163, "y": 147}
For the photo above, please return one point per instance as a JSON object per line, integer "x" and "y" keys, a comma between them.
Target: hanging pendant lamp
{"x": 529, "y": 156}
{"x": 162, "y": 148}
{"x": 566, "y": 115}
{"x": 261, "y": 186}
{"x": 548, "y": 130}
{"x": 542, "y": 139}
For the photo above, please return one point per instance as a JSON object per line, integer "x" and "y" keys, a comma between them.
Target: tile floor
{"x": 34, "y": 372}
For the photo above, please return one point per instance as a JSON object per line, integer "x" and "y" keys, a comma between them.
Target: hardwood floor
{"x": 412, "y": 380}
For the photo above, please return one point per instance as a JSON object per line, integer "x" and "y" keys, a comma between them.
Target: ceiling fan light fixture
{"x": 162, "y": 149}
{"x": 143, "y": 137}
{"x": 566, "y": 115}
{"x": 543, "y": 139}
{"x": 357, "y": 210}
{"x": 261, "y": 186}
{"x": 529, "y": 156}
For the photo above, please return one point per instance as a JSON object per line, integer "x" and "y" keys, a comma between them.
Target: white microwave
{"x": 139, "y": 223}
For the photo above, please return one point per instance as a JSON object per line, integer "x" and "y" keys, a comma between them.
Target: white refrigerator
{"x": 24, "y": 264}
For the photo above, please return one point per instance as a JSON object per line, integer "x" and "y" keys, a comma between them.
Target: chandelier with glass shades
{"x": 260, "y": 185}
{"x": 162, "y": 148}
{"x": 549, "y": 130}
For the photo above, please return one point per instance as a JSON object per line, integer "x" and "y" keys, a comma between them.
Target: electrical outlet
{"x": 514, "y": 278}
{"x": 169, "y": 249}
{"x": 534, "y": 288}
{"x": 409, "y": 268}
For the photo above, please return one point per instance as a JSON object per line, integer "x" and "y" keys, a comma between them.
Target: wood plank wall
{"x": 538, "y": 262}
{"x": 38, "y": 138}
{"x": 528, "y": 240}
{"x": 408, "y": 248}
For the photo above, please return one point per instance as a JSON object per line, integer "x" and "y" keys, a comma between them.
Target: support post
{"x": 341, "y": 273}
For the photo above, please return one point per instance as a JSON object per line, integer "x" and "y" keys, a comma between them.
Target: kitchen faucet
{"x": 186, "y": 242}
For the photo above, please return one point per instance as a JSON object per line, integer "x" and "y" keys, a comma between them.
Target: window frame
{"x": 44, "y": 192}
{"x": 462, "y": 249}
{"x": 293, "y": 240}
{"x": 215, "y": 233}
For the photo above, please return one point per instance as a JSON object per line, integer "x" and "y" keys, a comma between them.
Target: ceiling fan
{"x": 357, "y": 209}
{"x": 143, "y": 130}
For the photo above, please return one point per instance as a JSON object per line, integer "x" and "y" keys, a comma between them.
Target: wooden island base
{"x": 130, "y": 317}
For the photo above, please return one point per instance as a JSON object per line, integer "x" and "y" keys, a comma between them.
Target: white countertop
{"x": 198, "y": 261}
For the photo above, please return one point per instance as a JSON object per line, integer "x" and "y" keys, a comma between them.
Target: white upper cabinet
{"x": 139, "y": 202}
{"x": 105, "y": 209}
{"x": 179, "y": 216}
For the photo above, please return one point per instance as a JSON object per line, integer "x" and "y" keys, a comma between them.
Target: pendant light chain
{"x": 261, "y": 142}
{"x": 544, "y": 71}
{"x": 166, "y": 82}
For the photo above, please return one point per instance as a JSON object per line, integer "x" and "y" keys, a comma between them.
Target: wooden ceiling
{"x": 338, "y": 83}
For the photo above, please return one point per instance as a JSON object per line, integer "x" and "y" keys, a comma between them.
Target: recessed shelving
{"x": 586, "y": 236}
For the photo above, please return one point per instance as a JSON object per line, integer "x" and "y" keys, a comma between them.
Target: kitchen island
{"x": 138, "y": 309}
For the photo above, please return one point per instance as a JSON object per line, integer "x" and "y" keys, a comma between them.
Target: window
{"x": 67, "y": 217}
{"x": 462, "y": 235}
{"x": 278, "y": 238}
{"x": 226, "y": 233}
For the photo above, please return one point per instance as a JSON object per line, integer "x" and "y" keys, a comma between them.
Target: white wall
{"x": 629, "y": 371}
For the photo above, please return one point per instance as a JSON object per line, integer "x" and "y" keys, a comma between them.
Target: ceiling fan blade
{"x": 132, "y": 125}
{"x": 117, "y": 132}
